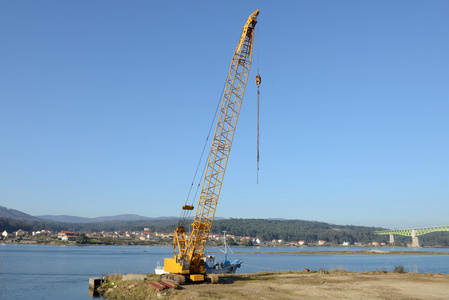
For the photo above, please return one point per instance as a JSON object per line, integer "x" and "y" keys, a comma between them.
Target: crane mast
{"x": 189, "y": 253}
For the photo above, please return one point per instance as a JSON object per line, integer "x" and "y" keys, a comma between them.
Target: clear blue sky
{"x": 105, "y": 106}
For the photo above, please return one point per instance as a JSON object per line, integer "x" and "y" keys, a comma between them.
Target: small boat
{"x": 225, "y": 267}
{"x": 212, "y": 267}
{"x": 159, "y": 269}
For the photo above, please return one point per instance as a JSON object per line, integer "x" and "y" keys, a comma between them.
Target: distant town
{"x": 145, "y": 237}
{"x": 19, "y": 227}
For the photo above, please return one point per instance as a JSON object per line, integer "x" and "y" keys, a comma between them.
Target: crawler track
{"x": 178, "y": 279}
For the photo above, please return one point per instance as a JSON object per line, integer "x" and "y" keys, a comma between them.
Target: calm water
{"x": 58, "y": 272}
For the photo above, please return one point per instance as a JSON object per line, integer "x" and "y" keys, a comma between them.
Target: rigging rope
{"x": 185, "y": 214}
{"x": 262, "y": 267}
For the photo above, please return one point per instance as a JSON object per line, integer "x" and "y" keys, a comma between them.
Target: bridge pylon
{"x": 415, "y": 242}
{"x": 391, "y": 239}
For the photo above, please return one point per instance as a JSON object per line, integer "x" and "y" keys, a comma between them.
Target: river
{"x": 62, "y": 272}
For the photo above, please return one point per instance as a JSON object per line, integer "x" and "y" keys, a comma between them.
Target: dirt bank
{"x": 293, "y": 285}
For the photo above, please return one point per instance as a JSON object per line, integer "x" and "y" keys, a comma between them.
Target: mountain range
{"x": 13, "y": 214}
{"x": 74, "y": 219}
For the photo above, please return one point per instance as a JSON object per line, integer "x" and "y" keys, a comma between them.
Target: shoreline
{"x": 376, "y": 251}
{"x": 321, "y": 284}
{"x": 359, "y": 252}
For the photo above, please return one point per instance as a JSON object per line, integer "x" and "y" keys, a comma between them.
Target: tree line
{"x": 296, "y": 230}
{"x": 264, "y": 229}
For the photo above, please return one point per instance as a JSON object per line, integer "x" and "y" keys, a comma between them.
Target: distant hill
{"x": 13, "y": 214}
{"x": 74, "y": 219}
{"x": 124, "y": 217}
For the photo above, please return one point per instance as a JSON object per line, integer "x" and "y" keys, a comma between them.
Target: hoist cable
{"x": 258, "y": 80}
{"x": 258, "y": 135}
{"x": 258, "y": 48}
{"x": 186, "y": 213}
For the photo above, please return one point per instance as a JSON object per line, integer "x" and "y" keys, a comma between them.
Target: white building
{"x": 5, "y": 234}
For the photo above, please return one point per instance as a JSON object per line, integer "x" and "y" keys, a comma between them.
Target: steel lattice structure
{"x": 413, "y": 232}
{"x": 189, "y": 253}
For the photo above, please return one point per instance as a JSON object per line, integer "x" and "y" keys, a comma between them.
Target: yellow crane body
{"x": 189, "y": 253}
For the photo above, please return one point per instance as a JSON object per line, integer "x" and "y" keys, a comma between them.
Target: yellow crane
{"x": 188, "y": 261}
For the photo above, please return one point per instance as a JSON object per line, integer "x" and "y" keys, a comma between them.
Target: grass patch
{"x": 399, "y": 269}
